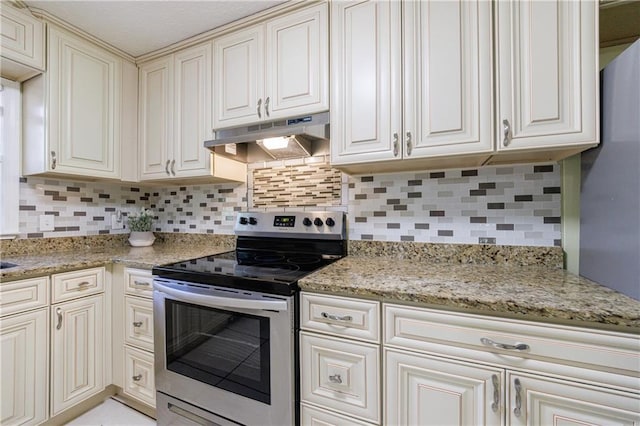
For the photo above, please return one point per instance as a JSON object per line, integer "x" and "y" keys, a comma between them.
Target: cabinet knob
{"x": 335, "y": 378}
{"x": 137, "y": 324}
{"x": 137, "y": 377}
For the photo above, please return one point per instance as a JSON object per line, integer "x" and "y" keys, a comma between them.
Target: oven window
{"x": 226, "y": 349}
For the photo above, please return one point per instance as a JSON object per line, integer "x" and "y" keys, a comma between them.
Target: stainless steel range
{"x": 226, "y": 325}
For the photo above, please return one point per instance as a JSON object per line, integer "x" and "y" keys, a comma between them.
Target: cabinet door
{"x": 547, "y": 75}
{"x": 155, "y": 123}
{"x": 239, "y": 77}
{"x": 139, "y": 379}
{"x": 424, "y": 390}
{"x": 192, "y": 118}
{"x": 297, "y": 63}
{"x": 447, "y": 78}
{"x": 366, "y": 110}
{"x": 77, "y": 349}
{"x": 84, "y": 96}
{"x": 24, "y": 345}
{"x": 22, "y": 42}
{"x": 539, "y": 402}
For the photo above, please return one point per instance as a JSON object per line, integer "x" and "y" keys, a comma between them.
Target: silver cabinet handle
{"x": 336, "y": 317}
{"x": 173, "y": 167}
{"x": 496, "y": 393}
{"x": 335, "y": 378}
{"x": 517, "y": 411}
{"x": 506, "y": 130}
{"x": 259, "y": 106}
{"x": 409, "y": 144}
{"x": 59, "y": 314}
{"x": 137, "y": 324}
{"x": 141, "y": 283}
{"x": 54, "y": 161}
{"x": 83, "y": 285}
{"x": 516, "y": 347}
{"x": 396, "y": 146}
{"x": 137, "y": 377}
{"x": 166, "y": 168}
{"x": 266, "y": 106}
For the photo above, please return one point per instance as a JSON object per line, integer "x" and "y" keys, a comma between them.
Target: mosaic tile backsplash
{"x": 518, "y": 205}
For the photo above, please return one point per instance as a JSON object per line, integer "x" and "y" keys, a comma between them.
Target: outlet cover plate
{"x": 115, "y": 224}
{"x": 46, "y": 222}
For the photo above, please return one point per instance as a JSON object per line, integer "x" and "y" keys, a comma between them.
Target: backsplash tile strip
{"x": 515, "y": 205}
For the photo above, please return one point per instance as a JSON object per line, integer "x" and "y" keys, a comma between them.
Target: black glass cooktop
{"x": 257, "y": 270}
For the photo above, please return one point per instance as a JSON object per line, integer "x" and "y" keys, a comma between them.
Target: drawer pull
{"x": 137, "y": 377}
{"x": 83, "y": 285}
{"x": 336, "y": 317}
{"x": 141, "y": 283}
{"x": 137, "y": 324}
{"x": 496, "y": 393}
{"x": 59, "y": 314}
{"x": 518, "y": 410}
{"x": 516, "y": 347}
{"x": 335, "y": 378}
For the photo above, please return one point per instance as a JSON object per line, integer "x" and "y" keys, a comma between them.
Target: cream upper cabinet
{"x": 272, "y": 70}
{"x": 72, "y": 113}
{"x": 175, "y": 119}
{"x": 21, "y": 44}
{"x": 547, "y": 76}
{"x": 155, "y": 121}
{"x": 430, "y": 98}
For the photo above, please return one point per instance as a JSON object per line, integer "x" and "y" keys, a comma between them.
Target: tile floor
{"x": 112, "y": 413}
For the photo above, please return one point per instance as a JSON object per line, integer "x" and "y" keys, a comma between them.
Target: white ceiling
{"x": 142, "y": 26}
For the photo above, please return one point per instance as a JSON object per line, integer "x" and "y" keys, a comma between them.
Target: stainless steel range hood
{"x": 302, "y": 136}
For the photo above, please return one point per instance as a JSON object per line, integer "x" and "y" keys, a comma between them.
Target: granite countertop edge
{"x": 527, "y": 293}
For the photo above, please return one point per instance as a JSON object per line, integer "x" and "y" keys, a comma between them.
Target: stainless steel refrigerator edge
{"x": 610, "y": 193}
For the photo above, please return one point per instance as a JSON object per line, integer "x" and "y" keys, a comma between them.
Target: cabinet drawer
{"x": 71, "y": 285}
{"x": 341, "y": 376}
{"x": 138, "y": 322}
{"x": 341, "y": 316}
{"x": 452, "y": 333}
{"x": 310, "y": 415}
{"x": 139, "y": 381}
{"x": 138, "y": 282}
{"x": 22, "y": 295}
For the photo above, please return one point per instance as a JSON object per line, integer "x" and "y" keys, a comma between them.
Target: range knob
{"x": 253, "y": 221}
{"x": 243, "y": 221}
{"x": 306, "y": 221}
{"x": 330, "y": 222}
{"x": 317, "y": 221}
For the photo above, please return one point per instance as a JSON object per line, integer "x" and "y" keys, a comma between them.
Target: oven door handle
{"x": 221, "y": 302}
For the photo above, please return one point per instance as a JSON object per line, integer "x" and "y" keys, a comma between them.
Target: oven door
{"x": 227, "y": 351}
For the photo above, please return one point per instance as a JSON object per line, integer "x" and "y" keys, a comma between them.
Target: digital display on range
{"x": 284, "y": 221}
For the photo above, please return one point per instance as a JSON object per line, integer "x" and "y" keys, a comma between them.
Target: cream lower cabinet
{"x": 77, "y": 351}
{"x": 339, "y": 360}
{"x": 134, "y": 349}
{"x": 24, "y": 345}
{"x": 447, "y": 368}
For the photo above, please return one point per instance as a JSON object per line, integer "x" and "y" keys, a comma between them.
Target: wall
{"x": 517, "y": 205}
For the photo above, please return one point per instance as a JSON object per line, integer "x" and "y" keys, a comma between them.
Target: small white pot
{"x": 141, "y": 238}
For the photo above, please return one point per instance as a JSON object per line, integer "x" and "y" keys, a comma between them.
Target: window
{"x": 9, "y": 157}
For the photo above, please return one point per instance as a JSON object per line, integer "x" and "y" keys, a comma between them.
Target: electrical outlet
{"x": 115, "y": 223}
{"x": 46, "y": 222}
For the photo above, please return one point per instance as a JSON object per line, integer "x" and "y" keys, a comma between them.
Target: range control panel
{"x": 322, "y": 225}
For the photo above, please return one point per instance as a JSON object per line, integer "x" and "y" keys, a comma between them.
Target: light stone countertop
{"x": 523, "y": 292}
{"x": 32, "y": 265}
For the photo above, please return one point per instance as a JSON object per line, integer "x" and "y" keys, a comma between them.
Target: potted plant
{"x": 140, "y": 227}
